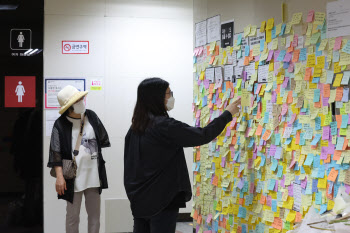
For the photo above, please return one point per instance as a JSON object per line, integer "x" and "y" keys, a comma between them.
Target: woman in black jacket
{"x": 156, "y": 178}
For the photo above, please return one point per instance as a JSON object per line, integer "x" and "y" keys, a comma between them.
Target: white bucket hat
{"x": 68, "y": 96}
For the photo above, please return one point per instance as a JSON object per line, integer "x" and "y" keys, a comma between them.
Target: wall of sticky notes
{"x": 288, "y": 150}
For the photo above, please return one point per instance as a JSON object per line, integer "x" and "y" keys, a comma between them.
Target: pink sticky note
{"x": 284, "y": 109}
{"x": 347, "y": 189}
{"x": 290, "y": 190}
{"x": 198, "y": 114}
{"x": 276, "y": 186}
{"x": 269, "y": 200}
{"x": 206, "y": 83}
{"x": 269, "y": 57}
{"x": 325, "y": 133}
{"x": 288, "y": 57}
{"x": 209, "y": 218}
{"x": 223, "y": 161}
{"x": 310, "y": 16}
{"x": 251, "y": 188}
{"x": 250, "y": 165}
{"x": 291, "y": 67}
{"x": 337, "y": 44}
{"x": 295, "y": 41}
{"x": 258, "y": 89}
{"x": 285, "y": 82}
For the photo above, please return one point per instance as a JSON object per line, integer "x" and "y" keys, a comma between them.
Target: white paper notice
{"x": 256, "y": 39}
{"x": 262, "y": 73}
{"x": 297, "y": 197}
{"x": 250, "y": 70}
{"x": 228, "y": 72}
{"x": 209, "y": 74}
{"x": 218, "y": 73}
{"x": 338, "y": 15}
{"x": 213, "y": 29}
{"x": 50, "y": 117}
{"x": 53, "y": 86}
{"x": 201, "y": 33}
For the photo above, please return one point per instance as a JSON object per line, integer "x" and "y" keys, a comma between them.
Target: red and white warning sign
{"x": 20, "y": 91}
{"x": 75, "y": 47}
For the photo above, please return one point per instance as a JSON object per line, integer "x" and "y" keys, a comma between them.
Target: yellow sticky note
{"x": 311, "y": 60}
{"x": 319, "y": 18}
{"x": 263, "y": 25}
{"x": 297, "y": 18}
{"x": 270, "y": 24}
{"x": 337, "y": 80}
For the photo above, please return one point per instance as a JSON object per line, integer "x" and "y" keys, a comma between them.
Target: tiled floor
{"x": 184, "y": 227}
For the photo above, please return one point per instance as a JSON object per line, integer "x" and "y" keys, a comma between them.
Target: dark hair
{"x": 150, "y": 102}
{"x": 69, "y": 110}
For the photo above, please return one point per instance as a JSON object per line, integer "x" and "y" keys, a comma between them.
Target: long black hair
{"x": 150, "y": 102}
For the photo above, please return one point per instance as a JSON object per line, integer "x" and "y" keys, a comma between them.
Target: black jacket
{"x": 155, "y": 170}
{"x": 61, "y": 148}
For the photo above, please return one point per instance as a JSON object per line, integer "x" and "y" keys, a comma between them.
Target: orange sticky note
{"x": 308, "y": 72}
{"x": 258, "y": 130}
{"x": 338, "y": 119}
{"x": 337, "y": 154}
{"x": 339, "y": 94}
{"x": 326, "y": 90}
{"x": 246, "y": 61}
{"x": 298, "y": 217}
{"x": 212, "y": 60}
{"x": 333, "y": 175}
{"x": 217, "y": 51}
{"x": 296, "y": 54}
{"x": 266, "y": 135}
{"x": 277, "y": 223}
{"x": 262, "y": 199}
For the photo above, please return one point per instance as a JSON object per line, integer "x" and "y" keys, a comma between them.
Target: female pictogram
{"x": 20, "y": 91}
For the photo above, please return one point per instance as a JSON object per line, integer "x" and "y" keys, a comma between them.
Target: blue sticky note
{"x": 274, "y": 164}
{"x": 318, "y": 198}
{"x": 302, "y": 139}
{"x": 262, "y": 43}
{"x": 283, "y": 29}
{"x": 317, "y": 161}
{"x": 204, "y": 101}
{"x": 345, "y": 97}
{"x": 318, "y": 53}
{"x": 320, "y": 173}
{"x": 277, "y": 139}
{"x": 315, "y": 80}
{"x": 278, "y": 152}
{"x": 239, "y": 53}
{"x": 246, "y": 51}
{"x": 317, "y": 93}
{"x": 344, "y": 121}
{"x": 272, "y": 184}
{"x": 302, "y": 55}
{"x": 314, "y": 185}
{"x": 266, "y": 117}
{"x": 239, "y": 39}
{"x": 316, "y": 139}
{"x": 242, "y": 212}
{"x": 280, "y": 171}
{"x": 309, "y": 159}
{"x": 318, "y": 123}
{"x": 281, "y": 55}
{"x": 274, "y": 205}
{"x": 273, "y": 32}
{"x": 340, "y": 143}
{"x": 323, "y": 208}
{"x": 333, "y": 128}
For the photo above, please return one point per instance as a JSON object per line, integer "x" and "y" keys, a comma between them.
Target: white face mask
{"x": 170, "y": 104}
{"x": 79, "y": 107}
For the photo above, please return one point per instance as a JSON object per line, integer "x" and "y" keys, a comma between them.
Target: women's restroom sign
{"x": 20, "y": 92}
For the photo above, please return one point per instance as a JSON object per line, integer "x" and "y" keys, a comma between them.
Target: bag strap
{"x": 80, "y": 136}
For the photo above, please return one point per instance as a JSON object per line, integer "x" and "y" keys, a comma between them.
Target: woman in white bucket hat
{"x": 78, "y": 135}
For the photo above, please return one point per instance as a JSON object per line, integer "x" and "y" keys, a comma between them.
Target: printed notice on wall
{"x": 338, "y": 15}
{"x": 213, "y": 29}
{"x": 227, "y": 29}
{"x": 53, "y": 86}
{"x": 75, "y": 47}
{"x": 201, "y": 33}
